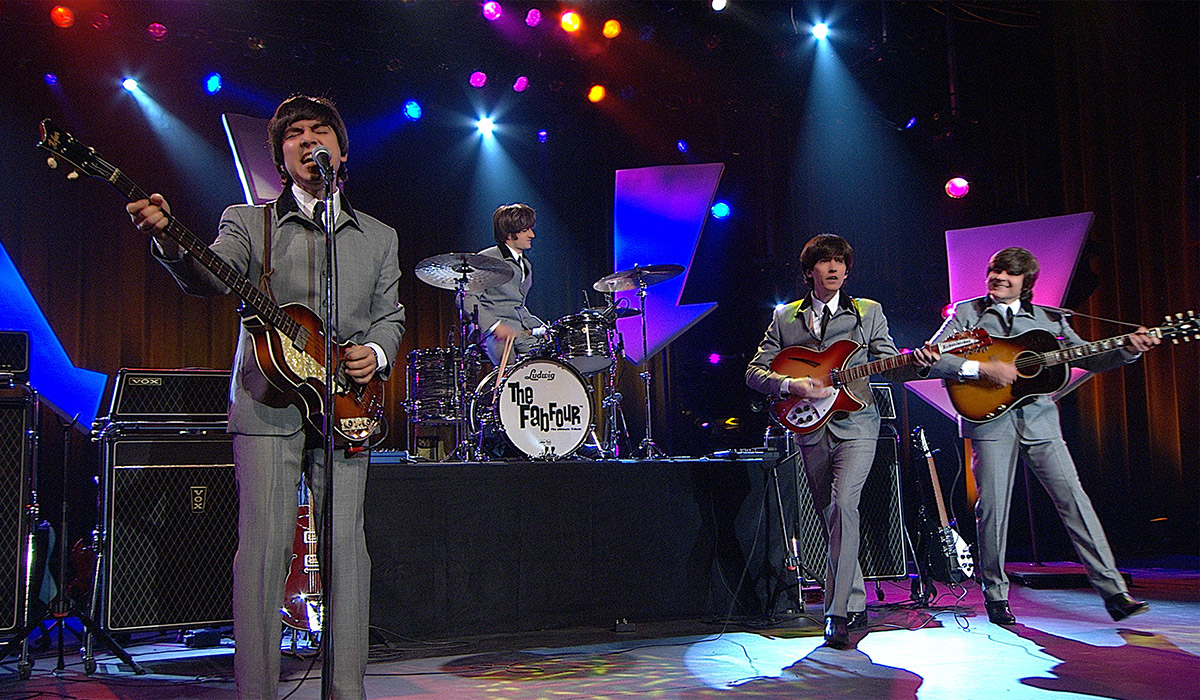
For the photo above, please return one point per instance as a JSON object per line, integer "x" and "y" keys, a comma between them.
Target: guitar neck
{"x": 1078, "y": 352}
{"x": 937, "y": 490}
{"x": 251, "y": 296}
{"x": 851, "y": 374}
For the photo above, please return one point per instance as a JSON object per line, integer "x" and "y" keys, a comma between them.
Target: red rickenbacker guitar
{"x": 1042, "y": 367}
{"x": 946, "y": 554}
{"x": 289, "y": 342}
{"x": 302, "y": 608}
{"x": 803, "y": 415}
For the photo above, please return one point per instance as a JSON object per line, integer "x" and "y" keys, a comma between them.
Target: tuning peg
{"x": 52, "y": 163}
{"x": 73, "y": 175}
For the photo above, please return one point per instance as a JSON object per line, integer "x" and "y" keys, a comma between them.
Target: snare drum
{"x": 433, "y": 393}
{"x": 584, "y": 341}
{"x": 543, "y": 408}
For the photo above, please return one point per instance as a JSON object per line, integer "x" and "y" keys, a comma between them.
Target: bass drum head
{"x": 543, "y": 409}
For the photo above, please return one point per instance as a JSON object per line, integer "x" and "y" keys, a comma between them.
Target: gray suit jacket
{"x": 1037, "y": 420}
{"x": 505, "y": 302}
{"x": 369, "y": 308}
{"x": 859, "y": 320}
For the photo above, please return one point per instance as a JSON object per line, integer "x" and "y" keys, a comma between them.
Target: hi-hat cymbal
{"x": 475, "y": 272}
{"x": 618, "y": 312}
{"x": 636, "y": 276}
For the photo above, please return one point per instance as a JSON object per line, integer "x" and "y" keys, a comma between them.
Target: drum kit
{"x": 542, "y": 407}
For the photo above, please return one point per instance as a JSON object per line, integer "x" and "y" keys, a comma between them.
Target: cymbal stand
{"x": 613, "y": 431}
{"x": 647, "y": 450}
{"x": 465, "y": 448}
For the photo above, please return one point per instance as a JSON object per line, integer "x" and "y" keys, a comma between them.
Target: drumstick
{"x": 504, "y": 361}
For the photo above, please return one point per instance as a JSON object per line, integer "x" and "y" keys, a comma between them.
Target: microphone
{"x": 322, "y": 157}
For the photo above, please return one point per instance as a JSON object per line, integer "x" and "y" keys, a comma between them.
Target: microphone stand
{"x": 327, "y": 557}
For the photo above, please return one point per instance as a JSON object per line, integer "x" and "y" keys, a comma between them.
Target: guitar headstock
{"x": 920, "y": 443}
{"x": 965, "y": 341}
{"x": 1179, "y": 328}
{"x": 62, "y": 145}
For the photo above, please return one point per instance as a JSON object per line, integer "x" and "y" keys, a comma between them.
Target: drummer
{"x": 500, "y": 312}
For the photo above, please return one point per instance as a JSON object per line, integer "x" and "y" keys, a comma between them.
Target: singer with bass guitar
{"x": 281, "y": 246}
{"x": 1030, "y": 429}
{"x": 837, "y": 455}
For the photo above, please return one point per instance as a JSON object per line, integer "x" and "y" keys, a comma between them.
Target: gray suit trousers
{"x": 268, "y": 473}
{"x": 995, "y": 463}
{"x": 837, "y": 470}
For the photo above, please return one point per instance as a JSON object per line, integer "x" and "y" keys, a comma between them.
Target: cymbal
{"x": 629, "y": 279}
{"x": 475, "y": 272}
{"x": 619, "y": 312}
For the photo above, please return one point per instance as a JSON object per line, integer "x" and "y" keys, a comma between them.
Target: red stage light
{"x": 596, "y": 93}
{"x": 611, "y": 29}
{"x": 157, "y": 31}
{"x": 571, "y": 21}
{"x": 62, "y": 16}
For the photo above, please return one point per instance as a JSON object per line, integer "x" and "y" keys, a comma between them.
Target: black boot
{"x": 998, "y": 613}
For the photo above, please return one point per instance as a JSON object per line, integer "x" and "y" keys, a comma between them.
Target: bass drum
{"x": 542, "y": 409}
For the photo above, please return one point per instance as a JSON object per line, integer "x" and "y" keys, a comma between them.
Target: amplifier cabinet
{"x": 170, "y": 530}
{"x": 18, "y": 442}
{"x": 169, "y": 396}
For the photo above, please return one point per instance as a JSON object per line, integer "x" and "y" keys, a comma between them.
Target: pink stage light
{"x": 478, "y": 79}
{"x": 520, "y": 84}
{"x": 157, "y": 31}
{"x": 957, "y": 187}
{"x": 533, "y": 18}
{"x": 714, "y": 359}
{"x": 492, "y": 10}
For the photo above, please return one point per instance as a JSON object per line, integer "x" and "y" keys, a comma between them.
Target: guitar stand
{"x": 793, "y": 561}
{"x": 61, "y": 607}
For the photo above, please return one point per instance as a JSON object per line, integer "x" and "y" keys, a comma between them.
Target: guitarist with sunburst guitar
{"x": 839, "y": 449}
{"x": 1003, "y": 397}
{"x": 276, "y": 253}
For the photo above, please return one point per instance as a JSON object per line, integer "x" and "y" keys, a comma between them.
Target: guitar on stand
{"x": 303, "y": 608}
{"x": 943, "y": 555}
{"x": 1042, "y": 367}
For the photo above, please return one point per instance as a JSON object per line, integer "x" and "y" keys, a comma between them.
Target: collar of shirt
{"x": 1000, "y": 308}
{"x": 308, "y": 202}
{"x": 818, "y": 308}
{"x": 516, "y": 254}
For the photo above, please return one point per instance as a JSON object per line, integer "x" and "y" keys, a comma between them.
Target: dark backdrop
{"x": 1051, "y": 108}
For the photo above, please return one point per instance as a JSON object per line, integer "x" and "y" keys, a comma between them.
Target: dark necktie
{"x": 825, "y": 316}
{"x": 1008, "y": 318}
{"x": 319, "y": 214}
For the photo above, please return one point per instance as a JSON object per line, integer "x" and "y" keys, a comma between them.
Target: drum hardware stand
{"x": 647, "y": 450}
{"x": 612, "y": 404}
{"x": 466, "y": 448}
{"x": 61, "y": 607}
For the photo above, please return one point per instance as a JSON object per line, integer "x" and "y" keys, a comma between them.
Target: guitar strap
{"x": 264, "y": 282}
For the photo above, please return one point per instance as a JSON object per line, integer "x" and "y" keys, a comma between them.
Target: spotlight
{"x": 780, "y": 306}
{"x": 714, "y": 359}
{"x": 596, "y": 93}
{"x": 492, "y": 10}
{"x": 571, "y": 22}
{"x": 720, "y": 210}
{"x": 62, "y": 16}
{"x": 129, "y": 84}
{"x": 682, "y": 146}
{"x": 157, "y": 31}
{"x": 612, "y": 28}
{"x": 533, "y": 18}
{"x": 542, "y": 136}
{"x": 51, "y": 79}
{"x": 478, "y": 79}
{"x": 820, "y": 30}
{"x": 718, "y": 5}
{"x": 910, "y": 123}
{"x": 485, "y": 126}
{"x": 412, "y": 110}
{"x": 948, "y": 310}
{"x": 646, "y": 33}
{"x": 957, "y": 187}
{"x": 520, "y": 84}
{"x": 212, "y": 84}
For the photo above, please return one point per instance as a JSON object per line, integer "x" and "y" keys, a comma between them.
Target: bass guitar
{"x": 289, "y": 342}
{"x": 803, "y": 415}
{"x": 947, "y": 557}
{"x": 302, "y": 607}
{"x": 1042, "y": 367}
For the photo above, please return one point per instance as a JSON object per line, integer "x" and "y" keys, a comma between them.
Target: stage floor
{"x": 1065, "y": 647}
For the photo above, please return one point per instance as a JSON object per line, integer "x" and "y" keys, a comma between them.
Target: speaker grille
{"x": 157, "y": 395}
{"x": 171, "y": 532}
{"x": 881, "y": 549}
{"x": 16, "y": 417}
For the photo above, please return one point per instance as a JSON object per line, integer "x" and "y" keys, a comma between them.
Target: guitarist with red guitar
{"x": 1007, "y": 412}
{"x": 276, "y": 359}
{"x": 840, "y": 447}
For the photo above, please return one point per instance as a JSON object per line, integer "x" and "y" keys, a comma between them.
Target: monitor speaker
{"x": 18, "y": 427}
{"x": 170, "y": 533}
